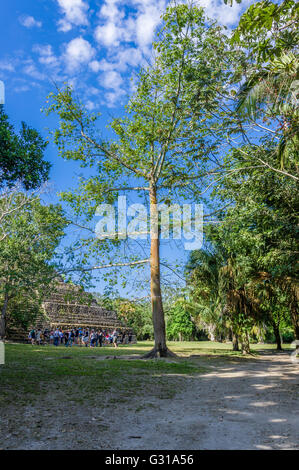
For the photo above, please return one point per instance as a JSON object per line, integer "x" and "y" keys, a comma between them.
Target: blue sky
{"x": 96, "y": 45}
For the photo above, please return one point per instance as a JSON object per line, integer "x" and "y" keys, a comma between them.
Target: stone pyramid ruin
{"x": 70, "y": 307}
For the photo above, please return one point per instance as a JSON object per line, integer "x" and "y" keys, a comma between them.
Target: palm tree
{"x": 270, "y": 90}
{"x": 202, "y": 271}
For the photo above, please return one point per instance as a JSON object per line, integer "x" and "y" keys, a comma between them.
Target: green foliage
{"x": 185, "y": 125}
{"x": 136, "y": 315}
{"x": 269, "y": 33}
{"x": 168, "y": 141}
{"x": 30, "y": 233}
{"x": 172, "y": 124}
{"x": 249, "y": 276}
{"x": 179, "y": 321}
{"x": 21, "y": 156}
{"x": 261, "y": 18}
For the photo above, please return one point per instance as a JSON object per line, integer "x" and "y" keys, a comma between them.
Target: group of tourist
{"x": 80, "y": 337}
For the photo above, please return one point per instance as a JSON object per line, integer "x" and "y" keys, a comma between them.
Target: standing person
{"x": 100, "y": 338}
{"x": 86, "y": 338}
{"x": 76, "y": 336}
{"x": 114, "y": 338}
{"x": 38, "y": 337}
{"x": 106, "y": 337}
{"x": 61, "y": 335}
{"x": 110, "y": 337}
{"x": 51, "y": 337}
{"x": 31, "y": 336}
{"x": 71, "y": 338}
{"x": 93, "y": 338}
{"x": 123, "y": 337}
{"x": 65, "y": 337}
{"x": 43, "y": 338}
{"x": 130, "y": 336}
{"x": 56, "y": 337}
{"x": 80, "y": 335}
{"x": 46, "y": 335}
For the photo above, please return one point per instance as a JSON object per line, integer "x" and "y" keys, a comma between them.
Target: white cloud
{"x": 106, "y": 66}
{"x": 7, "y": 66}
{"x": 93, "y": 90}
{"x": 224, "y": 14}
{"x": 108, "y": 35}
{"x": 147, "y": 21}
{"x": 111, "y": 79}
{"x": 127, "y": 38}
{"x": 145, "y": 25}
{"x": 113, "y": 98}
{"x": 21, "y": 89}
{"x": 33, "y": 72}
{"x": 136, "y": 27}
{"x": 123, "y": 30}
{"x": 95, "y": 66}
{"x": 75, "y": 13}
{"x": 29, "y": 22}
{"x": 111, "y": 11}
{"x": 46, "y": 55}
{"x": 78, "y": 52}
{"x": 90, "y": 105}
{"x": 130, "y": 56}
{"x": 64, "y": 26}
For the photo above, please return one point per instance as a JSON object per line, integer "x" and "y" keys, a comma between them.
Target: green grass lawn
{"x": 32, "y": 371}
{"x": 86, "y": 373}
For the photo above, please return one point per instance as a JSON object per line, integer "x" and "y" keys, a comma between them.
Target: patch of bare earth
{"x": 238, "y": 404}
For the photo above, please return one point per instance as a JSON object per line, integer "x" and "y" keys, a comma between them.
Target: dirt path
{"x": 248, "y": 404}
{"x": 238, "y": 404}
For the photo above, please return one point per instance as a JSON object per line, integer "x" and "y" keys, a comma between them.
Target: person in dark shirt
{"x": 100, "y": 338}
{"x": 66, "y": 337}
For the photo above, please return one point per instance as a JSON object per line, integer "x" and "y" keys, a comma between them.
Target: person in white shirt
{"x": 114, "y": 338}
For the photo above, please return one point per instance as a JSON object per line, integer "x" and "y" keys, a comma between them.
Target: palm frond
{"x": 250, "y": 92}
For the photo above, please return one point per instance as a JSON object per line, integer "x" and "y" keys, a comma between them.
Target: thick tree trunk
{"x": 160, "y": 348}
{"x": 3, "y": 317}
{"x": 295, "y": 318}
{"x": 235, "y": 341}
{"x": 245, "y": 345}
{"x": 277, "y": 337}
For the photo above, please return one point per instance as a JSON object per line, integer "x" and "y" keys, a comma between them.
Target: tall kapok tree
{"x": 168, "y": 145}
